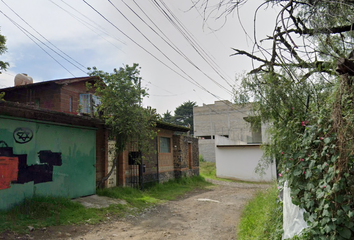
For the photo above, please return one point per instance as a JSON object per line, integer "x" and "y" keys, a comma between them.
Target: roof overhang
{"x": 173, "y": 127}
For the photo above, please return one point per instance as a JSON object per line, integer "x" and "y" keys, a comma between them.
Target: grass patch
{"x": 42, "y": 212}
{"x": 207, "y": 170}
{"x": 46, "y": 211}
{"x": 262, "y": 217}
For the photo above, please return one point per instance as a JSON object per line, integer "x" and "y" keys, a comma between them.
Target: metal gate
{"x": 136, "y": 173}
{"x": 143, "y": 167}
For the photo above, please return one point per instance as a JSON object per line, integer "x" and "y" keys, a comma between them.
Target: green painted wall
{"x": 75, "y": 176}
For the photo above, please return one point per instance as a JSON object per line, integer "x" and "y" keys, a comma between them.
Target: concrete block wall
{"x": 221, "y": 118}
{"x": 207, "y": 149}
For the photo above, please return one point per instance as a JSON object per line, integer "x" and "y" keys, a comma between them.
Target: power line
{"x": 174, "y": 47}
{"x": 190, "y": 38}
{"x": 152, "y": 43}
{"x": 90, "y": 26}
{"x": 99, "y": 27}
{"x": 47, "y": 40}
{"x": 189, "y": 80}
{"x": 28, "y": 33}
{"x": 195, "y": 82}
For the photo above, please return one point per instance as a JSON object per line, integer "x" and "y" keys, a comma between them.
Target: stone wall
{"x": 112, "y": 180}
{"x": 185, "y": 156}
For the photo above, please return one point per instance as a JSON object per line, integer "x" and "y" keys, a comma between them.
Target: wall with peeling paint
{"x": 43, "y": 158}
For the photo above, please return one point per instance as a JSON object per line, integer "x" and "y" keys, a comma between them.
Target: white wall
{"x": 239, "y": 162}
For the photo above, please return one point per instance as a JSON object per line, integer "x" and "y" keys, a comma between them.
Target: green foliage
{"x": 184, "y": 114}
{"x": 167, "y": 117}
{"x": 207, "y": 170}
{"x": 262, "y": 218}
{"x": 47, "y": 211}
{"x": 156, "y": 194}
{"x": 3, "y": 65}
{"x": 308, "y": 107}
{"x": 310, "y": 126}
{"x": 121, "y": 95}
{"x": 201, "y": 158}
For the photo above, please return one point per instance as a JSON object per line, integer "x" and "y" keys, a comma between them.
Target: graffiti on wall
{"x": 23, "y": 135}
{"x": 14, "y": 168}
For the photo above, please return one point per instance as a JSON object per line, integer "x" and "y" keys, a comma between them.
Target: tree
{"x": 121, "y": 95}
{"x": 184, "y": 114}
{"x": 167, "y": 117}
{"x": 3, "y": 65}
{"x": 302, "y": 85}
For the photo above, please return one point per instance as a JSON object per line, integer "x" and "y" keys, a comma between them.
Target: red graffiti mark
{"x": 8, "y": 171}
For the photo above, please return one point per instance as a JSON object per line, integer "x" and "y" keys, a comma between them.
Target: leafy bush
{"x": 319, "y": 166}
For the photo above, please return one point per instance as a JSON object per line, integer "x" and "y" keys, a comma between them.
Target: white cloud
{"x": 90, "y": 49}
{"x": 7, "y": 79}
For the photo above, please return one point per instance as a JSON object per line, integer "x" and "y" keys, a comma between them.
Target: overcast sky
{"x": 69, "y": 36}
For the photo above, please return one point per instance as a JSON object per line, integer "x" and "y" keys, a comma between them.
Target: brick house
{"x": 174, "y": 154}
{"x": 65, "y": 95}
{"x": 44, "y": 152}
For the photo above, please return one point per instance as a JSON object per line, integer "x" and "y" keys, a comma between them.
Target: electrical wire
{"x": 159, "y": 49}
{"x": 48, "y": 40}
{"x": 90, "y": 26}
{"x": 99, "y": 27}
{"x": 174, "y": 47}
{"x": 190, "y": 38}
{"x": 28, "y": 35}
{"x": 191, "y": 80}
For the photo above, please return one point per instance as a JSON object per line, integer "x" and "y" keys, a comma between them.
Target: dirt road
{"x": 202, "y": 214}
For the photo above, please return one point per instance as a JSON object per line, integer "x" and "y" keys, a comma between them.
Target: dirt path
{"x": 202, "y": 214}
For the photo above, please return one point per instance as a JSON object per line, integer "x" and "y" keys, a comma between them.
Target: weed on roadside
{"x": 262, "y": 217}
{"x": 39, "y": 211}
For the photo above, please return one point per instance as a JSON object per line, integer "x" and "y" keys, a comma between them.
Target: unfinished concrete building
{"x": 226, "y": 119}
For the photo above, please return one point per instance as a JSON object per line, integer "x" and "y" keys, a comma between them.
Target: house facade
{"x": 173, "y": 154}
{"x": 46, "y": 153}
{"x": 69, "y": 96}
{"x": 64, "y": 95}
